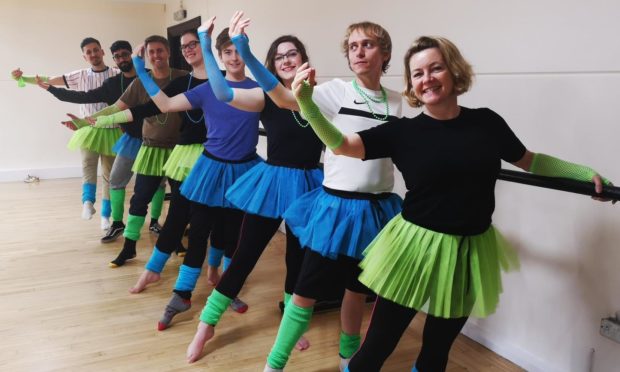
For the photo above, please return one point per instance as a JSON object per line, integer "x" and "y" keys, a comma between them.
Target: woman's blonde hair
{"x": 460, "y": 69}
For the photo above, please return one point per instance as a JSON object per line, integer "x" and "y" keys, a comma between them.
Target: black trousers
{"x": 389, "y": 321}
{"x": 256, "y": 232}
{"x": 176, "y": 221}
{"x": 143, "y": 191}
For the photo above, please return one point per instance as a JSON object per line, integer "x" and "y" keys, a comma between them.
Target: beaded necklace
{"x": 368, "y": 98}
{"x": 303, "y": 125}
{"x": 191, "y": 75}
{"x": 157, "y": 116}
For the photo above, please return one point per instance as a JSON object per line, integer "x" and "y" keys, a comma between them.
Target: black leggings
{"x": 256, "y": 232}
{"x": 389, "y": 321}
{"x": 143, "y": 191}
{"x": 222, "y": 224}
{"x": 176, "y": 221}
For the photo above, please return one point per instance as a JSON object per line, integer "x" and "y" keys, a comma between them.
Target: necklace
{"x": 191, "y": 75}
{"x": 368, "y": 98}
{"x": 157, "y": 116}
{"x": 299, "y": 122}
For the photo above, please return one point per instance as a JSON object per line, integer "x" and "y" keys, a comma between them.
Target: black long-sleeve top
{"x": 109, "y": 92}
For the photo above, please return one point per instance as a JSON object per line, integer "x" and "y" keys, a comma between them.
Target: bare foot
{"x": 213, "y": 277}
{"x": 147, "y": 277}
{"x": 302, "y": 344}
{"x": 204, "y": 333}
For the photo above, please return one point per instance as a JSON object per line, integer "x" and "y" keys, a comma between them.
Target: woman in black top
{"x": 441, "y": 252}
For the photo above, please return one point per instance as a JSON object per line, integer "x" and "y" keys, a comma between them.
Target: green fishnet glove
{"x": 112, "y": 109}
{"x": 111, "y": 121}
{"x": 545, "y": 165}
{"x": 80, "y": 123}
{"x": 326, "y": 131}
{"x": 21, "y": 81}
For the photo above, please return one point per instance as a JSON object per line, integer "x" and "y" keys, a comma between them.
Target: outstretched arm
{"x": 165, "y": 103}
{"x": 243, "y": 99}
{"x": 280, "y": 95}
{"x": 348, "y": 145}
{"x": 96, "y": 95}
{"x": 22, "y": 79}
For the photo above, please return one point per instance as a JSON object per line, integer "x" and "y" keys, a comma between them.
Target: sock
{"x": 117, "y": 202}
{"x": 414, "y": 369}
{"x": 262, "y": 75}
{"x": 238, "y": 306}
{"x": 128, "y": 252}
{"x": 349, "y": 344}
{"x": 106, "y": 208}
{"x": 188, "y": 276}
{"x": 216, "y": 304}
{"x": 21, "y": 82}
{"x": 88, "y": 192}
{"x": 227, "y": 261}
{"x": 327, "y": 132}
{"x": 294, "y": 324}
{"x": 134, "y": 225}
{"x": 287, "y": 298}
{"x": 157, "y": 203}
{"x": 157, "y": 261}
{"x": 176, "y": 305}
{"x": 215, "y": 256}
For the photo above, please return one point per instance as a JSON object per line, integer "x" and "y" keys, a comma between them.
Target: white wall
{"x": 550, "y": 69}
{"x": 43, "y": 37}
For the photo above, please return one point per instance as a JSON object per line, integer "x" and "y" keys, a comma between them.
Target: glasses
{"x": 291, "y": 54}
{"x": 120, "y": 56}
{"x": 191, "y": 45}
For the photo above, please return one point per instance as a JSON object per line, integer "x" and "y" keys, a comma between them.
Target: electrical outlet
{"x": 610, "y": 328}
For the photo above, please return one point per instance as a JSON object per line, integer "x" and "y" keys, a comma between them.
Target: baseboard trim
{"x": 11, "y": 175}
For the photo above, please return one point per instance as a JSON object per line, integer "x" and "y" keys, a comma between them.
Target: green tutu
{"x": 150, "y": 160}
{"x": 182, "y": 161}
{"x": 99, "y": 140}
{"x": 448, "y": 276}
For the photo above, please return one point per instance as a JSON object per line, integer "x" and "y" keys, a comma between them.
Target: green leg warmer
{"x": 117, "y": 199}
{"x": 349, "y": 344}
{"x": 287, "y": 298}
{"x": 294, "y": 324}
{"x": 216, "y": 305}
{"x": 157, "y": 203}
{"x": 134, "y": 225}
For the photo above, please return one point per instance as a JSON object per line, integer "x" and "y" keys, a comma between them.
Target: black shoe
{"x": 155, "y": 227}
{"x": 113, "y": 232}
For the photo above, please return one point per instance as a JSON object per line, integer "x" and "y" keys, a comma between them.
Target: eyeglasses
{"x": 291, "y": 54}
{"x": 120, "y": 56}
{"x": 191, "y": 45}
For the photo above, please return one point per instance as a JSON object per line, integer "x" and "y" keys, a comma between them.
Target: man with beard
{"x": 126, "y": 148}
{"x": 93, "y": 143}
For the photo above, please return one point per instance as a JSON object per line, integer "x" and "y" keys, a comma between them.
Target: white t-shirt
{"x": 86, "y": 79}
{"x": 348, "y": 111}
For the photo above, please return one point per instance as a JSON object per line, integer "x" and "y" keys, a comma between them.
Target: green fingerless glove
{"x": 80, "y": 123}
{"x": 326, "y": 131}
{"x": 545, "y": 165}
{"x": 111, "y": 121}
{"x": 21, "y": 81}
{"x": 112, "y": 109}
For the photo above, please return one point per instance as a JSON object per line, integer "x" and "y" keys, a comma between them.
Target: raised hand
{"x": 139, "y": 51}
{"x": 236, "y": 25}
{"x": 17, "y": 73}
{"x": 207, "y": 26}
{"x": 304, "y": 73}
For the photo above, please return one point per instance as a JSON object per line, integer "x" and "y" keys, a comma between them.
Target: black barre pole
{"x": 562, "y": 184}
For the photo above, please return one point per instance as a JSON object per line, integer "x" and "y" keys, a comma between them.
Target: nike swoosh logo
{"x": 359, "y": 103}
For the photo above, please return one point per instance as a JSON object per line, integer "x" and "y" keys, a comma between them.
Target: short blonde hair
{"x": 373, "y": 30}
{"x": 461, "y": 71}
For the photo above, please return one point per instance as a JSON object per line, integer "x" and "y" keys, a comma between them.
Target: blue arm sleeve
{"x": 263, "y": 77}
{"x": 218, "y": 83}
{"x": 147, "y": 82}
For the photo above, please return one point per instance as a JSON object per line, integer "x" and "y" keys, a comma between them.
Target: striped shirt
{"x": 87, "y": 79}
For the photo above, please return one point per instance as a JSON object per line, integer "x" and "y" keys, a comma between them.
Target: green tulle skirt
{"x": 99, "y": 140}
{"x": 448, "y": 276}
{"x": 182, "y": 161}
{"x": 150, "y": 160}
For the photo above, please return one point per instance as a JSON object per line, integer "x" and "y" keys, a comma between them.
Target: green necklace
{"x": 303, "y": 125}
{"x": 368, "y": 98}
{"x": 162, "y": 123}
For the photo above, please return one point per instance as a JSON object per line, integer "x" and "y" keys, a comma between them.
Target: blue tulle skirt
{"x": 333, "y": 225}
{"x": 127, "y": 146}
{"x": 209, "y": 180}
{"x": 269, "y": 190}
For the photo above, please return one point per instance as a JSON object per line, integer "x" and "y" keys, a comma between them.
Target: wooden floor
{"x": 63, "y": 309}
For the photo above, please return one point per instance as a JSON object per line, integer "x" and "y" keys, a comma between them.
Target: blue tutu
{"x": 268, "y": 190}
{"x": 127, "y": 146}
{"x": 209, "y": 179}
{"x": 333, "y": 225}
